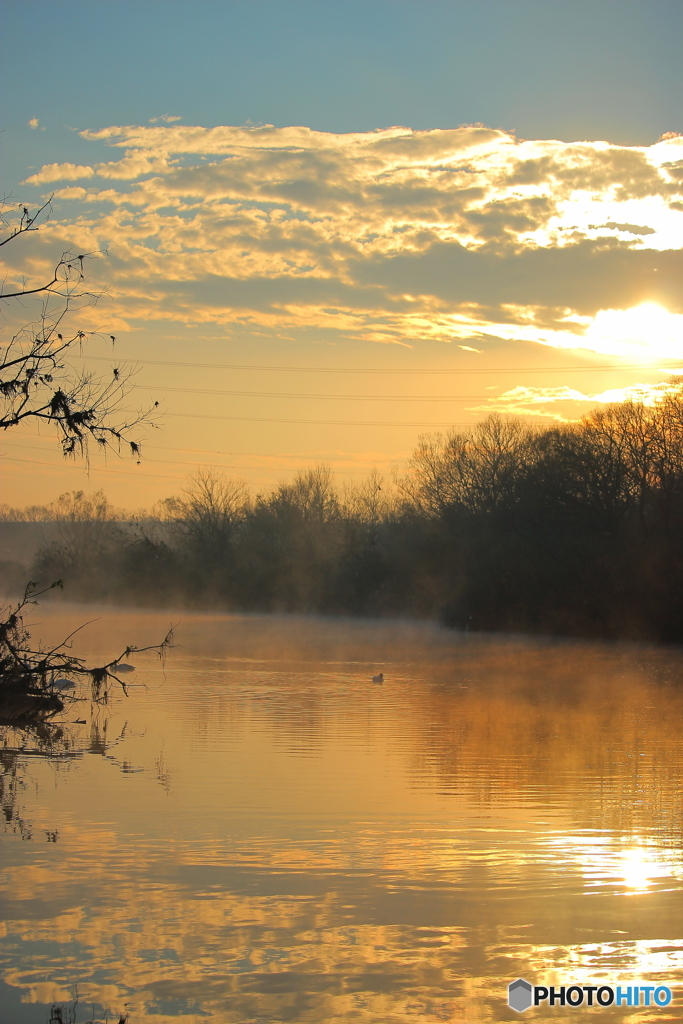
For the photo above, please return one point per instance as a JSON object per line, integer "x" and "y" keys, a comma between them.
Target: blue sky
{"x": 585, "y": 69}
{"x": 551, "y": 237}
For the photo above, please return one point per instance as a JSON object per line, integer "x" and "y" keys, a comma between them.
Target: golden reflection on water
{"x": 264, "y": 835}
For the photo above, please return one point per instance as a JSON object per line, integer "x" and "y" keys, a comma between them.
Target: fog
{"x": 575, "y": 529}
{"x": 260, "y": 832}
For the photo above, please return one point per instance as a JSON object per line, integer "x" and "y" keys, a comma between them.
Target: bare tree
{"x": 370, "y": 502}
{"x": 208, "y": 512}
{"x": 29, "y": 685}
{"x": 472, "y": 470}
{"x": 37, "y": 383}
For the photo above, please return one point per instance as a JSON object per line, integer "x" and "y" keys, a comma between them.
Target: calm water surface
{"x": 264, "y": 835}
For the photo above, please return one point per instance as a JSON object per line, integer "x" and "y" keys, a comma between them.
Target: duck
{"x": 379, "y": 678}
{"x": 63, "y": 684}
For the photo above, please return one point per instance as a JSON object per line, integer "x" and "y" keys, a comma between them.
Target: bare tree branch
{"x": 36, "y": 381}
{"x": 28, "y": 671}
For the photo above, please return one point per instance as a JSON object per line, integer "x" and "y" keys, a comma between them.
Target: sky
{"x": 333, "y": 226}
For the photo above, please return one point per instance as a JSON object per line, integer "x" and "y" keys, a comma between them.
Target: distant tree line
{"x": 569, "y": 529}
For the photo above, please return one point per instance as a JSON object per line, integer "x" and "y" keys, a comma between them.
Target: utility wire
{"x": 116, "y": 472}
{"x": 675, "y": 368}
{"x": 204, "y": 451}
{"x": 180, "y": 464}
{"x": 321, "y": 397}
{"x": 314, "y": 423}
{"x": 328, "y": 398}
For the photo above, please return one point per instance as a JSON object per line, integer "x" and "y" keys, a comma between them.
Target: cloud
{"x": 59, "y": 172}
{"x": 393, "y": 235}
{"x": 168, "y": 118}
{"x": 542, "y": 401}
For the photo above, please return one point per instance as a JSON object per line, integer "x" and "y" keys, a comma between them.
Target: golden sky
{"x": 293, "y": 296}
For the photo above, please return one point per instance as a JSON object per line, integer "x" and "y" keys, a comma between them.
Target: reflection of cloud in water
{"x": 326, "y": 850}
{"x": 614, "y": 962}
{"x": 270, "y": 955}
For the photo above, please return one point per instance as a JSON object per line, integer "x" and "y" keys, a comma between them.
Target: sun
{"x": 647, "y": 333}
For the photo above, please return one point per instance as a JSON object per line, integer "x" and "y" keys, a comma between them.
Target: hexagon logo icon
{"x": 519, "y": 995}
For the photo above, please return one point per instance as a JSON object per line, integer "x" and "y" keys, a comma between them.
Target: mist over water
{"x": 570, "y": 530}
{"x": 261, "y": 833}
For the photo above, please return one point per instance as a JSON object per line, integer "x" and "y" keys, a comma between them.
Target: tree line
{"x": 569, "y": 529}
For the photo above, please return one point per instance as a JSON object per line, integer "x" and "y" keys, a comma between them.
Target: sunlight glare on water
{"x": 261, "y": 833}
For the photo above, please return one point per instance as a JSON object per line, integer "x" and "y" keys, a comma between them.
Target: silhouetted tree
{"x": 204, "y": 520}
{"x": 574, "y": 528}
{"x": 38, "y": 385}
{"x": 36, "y": 382}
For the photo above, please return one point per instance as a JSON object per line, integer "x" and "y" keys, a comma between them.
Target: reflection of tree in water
{"x": 60, "y": 745}
{"x": 67, "y": 1013}
{"x": 596, "y": 731}
{"x": 18, "y": 747}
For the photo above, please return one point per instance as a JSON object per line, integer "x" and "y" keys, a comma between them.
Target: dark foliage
{"x": 574, "y": 529}
{"x": 37, "y": 382}
{"x": 32, "y": 676}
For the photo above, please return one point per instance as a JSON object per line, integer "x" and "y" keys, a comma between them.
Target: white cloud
{"x": 392, "y": 235}
{"x": 59, "y": 172}
{"x": 543, "y": 401}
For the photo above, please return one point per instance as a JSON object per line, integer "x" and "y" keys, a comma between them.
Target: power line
{"x": 314, "y": 423}
{"x": 169, "y": 462}
{"x": 326, "y": 398}
{"x": 256, "y": 455}
{"x": 179, "y": 464}
{"x": 363, "y": 369}
{"x": 116, "y": 472}
{"x": 230, "y": 455}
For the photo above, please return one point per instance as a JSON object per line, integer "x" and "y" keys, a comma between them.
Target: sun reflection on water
{"x": 627, "y": 865}
{"x": 442, "y": 841}
{"x": 642, "y": 866}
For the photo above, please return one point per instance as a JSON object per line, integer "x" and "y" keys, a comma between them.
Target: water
{"x": 264, "y": 835}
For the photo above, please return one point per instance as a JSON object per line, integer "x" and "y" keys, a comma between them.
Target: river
{"x": 258, "y": 832}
